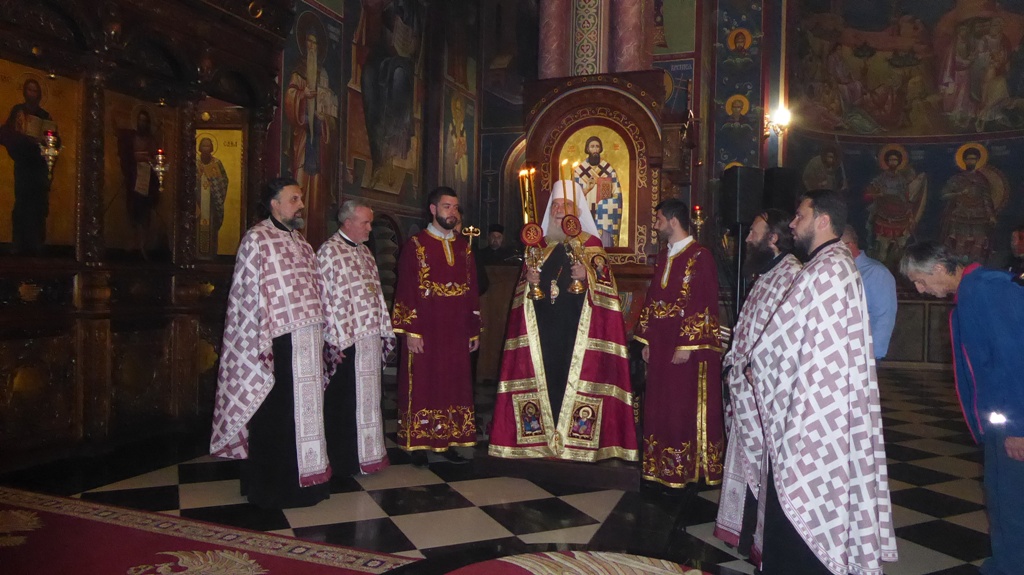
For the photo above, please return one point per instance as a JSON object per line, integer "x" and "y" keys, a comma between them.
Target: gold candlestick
{"x": 698, "y": 219}
{"x": 160, "y": 167}
{"x": 49, "y": 150}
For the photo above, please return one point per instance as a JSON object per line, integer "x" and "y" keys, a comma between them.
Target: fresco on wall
{"x": 914, "y": 111}
{"x": 674, "y": 32}
{"x": 678, "y": 76}
{"x": 138, "y": 211}
{"x": 35, "y": 210}
{"x": 877, "y": 67}
{"x": 312, "y": 127}
{"x": 738, "y": 88}
{"x": 509, "y": 41}
{"x": 460, "y": 43}
{"x": 458, "y": 143}
{"x": 385, "y": 95}
{"x": 967, "y": 195}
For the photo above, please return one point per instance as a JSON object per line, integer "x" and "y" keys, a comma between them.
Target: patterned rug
{"x": 577, "y": 563}
{"x": 49, "y": 534}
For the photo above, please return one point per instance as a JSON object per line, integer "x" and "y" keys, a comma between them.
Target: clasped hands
{"x": 680, "y": 355}
{"x": 415, "y": 344}
{"x": 579, "y": 272}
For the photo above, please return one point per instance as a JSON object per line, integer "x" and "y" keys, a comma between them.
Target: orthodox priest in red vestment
{"x": 437, "y": 308}
{"x": 684, "y": 437}
{"x": 565, "y": 391}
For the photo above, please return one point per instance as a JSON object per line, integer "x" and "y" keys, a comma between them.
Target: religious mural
{"x": 509, "y": 43}
{"x": 458, "y": 143}
{"x": 899, "y": 193}
{"x": 138, "y": 211}
{"x": 386, "y": 93}
{"x": 909, "y": 69}
{"x": 738, "y": 87}
{"x": 311, "y": 91}
{"x": 914, "y": 111}
{"x": 678, "y": 78}
{"x": 37, "y": 206}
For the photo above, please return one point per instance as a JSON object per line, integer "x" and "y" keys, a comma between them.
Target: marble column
{"x": 553, "y": 51}
{"x": 629, "y": 43}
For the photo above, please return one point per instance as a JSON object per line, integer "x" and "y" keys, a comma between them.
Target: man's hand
{"x": 533, "y": 276}
{"x": 750, "y": 375}
{"x": 1015, "y": 447}
{"x": 680, "y": 356}
{"x": 579, "y": 272}
{"x": 474, "y": 344}
{"x": 415, "y": 344}
{"x": 646, "y": 353}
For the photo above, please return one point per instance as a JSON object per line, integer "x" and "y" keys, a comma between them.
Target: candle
{"x": 160, "y": 151}
{"x": 522, "y": 196}
{"x": 575, "y": 208}
{"x": 531, "y": 186}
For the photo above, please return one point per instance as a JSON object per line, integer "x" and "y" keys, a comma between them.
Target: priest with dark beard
{"x": 772, "y": 268}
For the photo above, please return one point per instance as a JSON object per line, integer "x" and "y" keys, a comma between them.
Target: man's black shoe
{"x": 453, "y": 457}
{"x": 419, "y": 458}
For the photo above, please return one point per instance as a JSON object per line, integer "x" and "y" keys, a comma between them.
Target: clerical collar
{"x": 771, "y": 264}
{"x": 443, "y": 234}
{"x": 279, "y": 225}
{"x": 821, "y": 247}
{"x": 679, "y": 246}
{"x": 347, "y": 239}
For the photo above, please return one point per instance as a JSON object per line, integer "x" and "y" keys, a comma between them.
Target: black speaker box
{"x": 782, "y": 186}
{"x": 742, "y": 190}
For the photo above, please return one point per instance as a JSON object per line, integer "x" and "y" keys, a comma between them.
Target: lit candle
{"x": 561, "y": 175}
{"x": 522, "y": 196}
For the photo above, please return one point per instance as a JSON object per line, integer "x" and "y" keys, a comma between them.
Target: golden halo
{"x": 201, "y": 135}
{"x": 670, "y": 84}
{"x": 586, "y": 412}
{"x": 20, "y": 86}
{"x": 905, "y": 157}
{"x": 741, "y": 98}
{"x": 982, "y": 160}
{"x": 154, "y": 121}
{"x": 731, "y": 41}
{"x": 308, "y": 22}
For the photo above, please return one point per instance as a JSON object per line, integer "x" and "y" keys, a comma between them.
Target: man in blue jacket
{"x": 987, "y": 327}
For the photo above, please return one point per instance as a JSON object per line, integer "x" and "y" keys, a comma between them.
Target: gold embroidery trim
{"x": 428, "y": 286}
{"x": 455, "y": 424}
{"x": 700, "y": 326}
{"x": 517, "y": 385}
{"x": 402, "y": 315}
{"x": 517, "y": 342}
{"x": 605, "y": 390}
{"x": 606, "y": 346}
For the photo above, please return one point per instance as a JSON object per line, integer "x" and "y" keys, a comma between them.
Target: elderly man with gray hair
{"x": 986, "y": 326}
{"x": 357, "y": 337}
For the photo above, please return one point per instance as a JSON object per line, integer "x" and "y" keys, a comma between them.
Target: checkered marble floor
{"x": 448, "y": 510}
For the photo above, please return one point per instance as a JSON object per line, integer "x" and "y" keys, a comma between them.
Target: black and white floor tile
{"x": 451, "y": 515}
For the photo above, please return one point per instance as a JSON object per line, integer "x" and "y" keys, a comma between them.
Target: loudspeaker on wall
{"x": 741, "y": 194}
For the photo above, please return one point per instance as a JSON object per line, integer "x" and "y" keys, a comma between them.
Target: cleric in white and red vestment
{"x": 825, "y": 488}
{"x": 269, "y": 404}
{"x": 564, "y": 390}
{"x": 772, "y": 267}
{"x": 684, "y": 438}
{"x": 437, "y": 309}
{"x": 358, "y": 338}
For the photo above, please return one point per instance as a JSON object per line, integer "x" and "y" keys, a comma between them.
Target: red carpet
{"x": 44, "y": 534}
{"x": 576, "y": 563}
